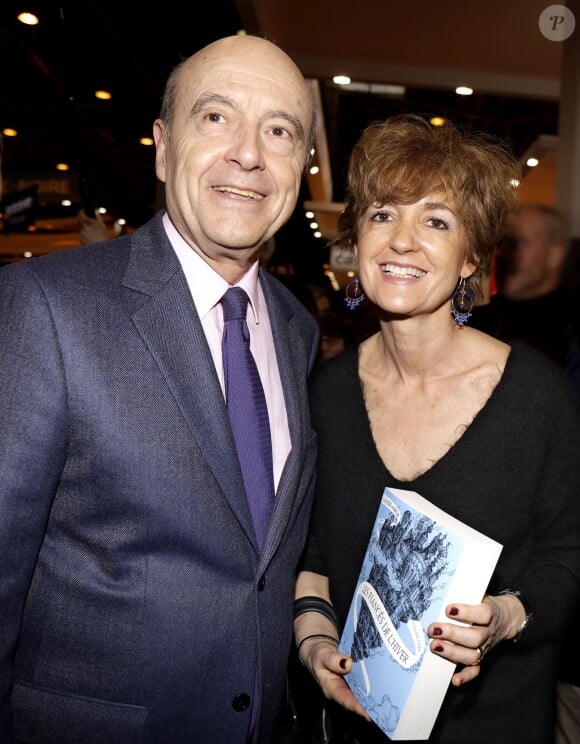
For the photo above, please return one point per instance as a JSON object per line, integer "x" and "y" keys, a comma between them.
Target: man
{"x": 531, "y": 303}
{"x": 137, "y": 603}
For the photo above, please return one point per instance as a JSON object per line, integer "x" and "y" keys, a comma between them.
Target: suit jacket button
{"x": 241, "y": 702}
{"x": 261, "y": 583}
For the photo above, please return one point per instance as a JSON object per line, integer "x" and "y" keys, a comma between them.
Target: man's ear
{"x": 159, "y": 136}
{"x": 557, "y": 254}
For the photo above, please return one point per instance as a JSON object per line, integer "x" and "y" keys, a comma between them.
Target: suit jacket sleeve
{"x": 33, "y": 440}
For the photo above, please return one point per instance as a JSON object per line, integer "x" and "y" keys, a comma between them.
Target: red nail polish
{"x": 453, "y": 611}
{"x": 342, "y": 663}
{"x": 436, "y": 632}
{"x": 438, "y": 649}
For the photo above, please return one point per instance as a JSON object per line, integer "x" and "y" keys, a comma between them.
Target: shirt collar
{"x": 206, "y": 286}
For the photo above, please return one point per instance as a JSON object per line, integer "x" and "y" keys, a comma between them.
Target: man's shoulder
{"x": 89, "y": 261}
{"x": 280, "y": 292}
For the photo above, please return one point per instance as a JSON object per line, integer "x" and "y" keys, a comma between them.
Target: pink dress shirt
{"x": 207, "y": 287}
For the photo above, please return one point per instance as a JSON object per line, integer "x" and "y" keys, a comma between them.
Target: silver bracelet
{"x": 527, "y": 610}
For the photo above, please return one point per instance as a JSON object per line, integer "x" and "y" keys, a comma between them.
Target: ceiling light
{"x": 9, "y": 132}
{"x": 387, "y": 89}
{"x": 66, "y": 203}
{"x": 314, "y": 225}
{"x": 463, "y": 90}
{"x": 147, "y": 141}
{"x": 437, "y": 121}
{"x": 532, "y": 162}
{"x": 62, "y": 166}
{"x": 380, "y": 89}
{"x": 314, "y": 170}
{"x": 104, "y": 95}
{"x": 309, "y": 215}
{"x": 341, "y": 80}
{"x": 29, "y": 19}
{"x": 317, "y": 234}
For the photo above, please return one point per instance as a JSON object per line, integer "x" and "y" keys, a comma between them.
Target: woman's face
{"x": 410, "y": 256}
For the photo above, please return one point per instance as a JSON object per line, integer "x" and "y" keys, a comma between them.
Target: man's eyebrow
{"x": 291, "y": 119}
{"x": 208, "y": 99}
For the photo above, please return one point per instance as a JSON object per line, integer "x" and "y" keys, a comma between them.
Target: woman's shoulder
{"x": 541, "y": 381}
{"x": 518, "y": 355}
{"x": 533, "y": 363}
{"x": 340, "y": 370}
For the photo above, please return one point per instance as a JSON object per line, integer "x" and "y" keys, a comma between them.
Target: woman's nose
{"x": 402, "y": 237}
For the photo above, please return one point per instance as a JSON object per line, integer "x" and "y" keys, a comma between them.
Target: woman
{"x": 483, "y": 430}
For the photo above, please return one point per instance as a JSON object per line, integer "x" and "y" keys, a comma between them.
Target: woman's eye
{"x": 437, "y": 223}
{"x": 380, "y": 217}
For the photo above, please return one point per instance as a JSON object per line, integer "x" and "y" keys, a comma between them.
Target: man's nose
{"x": 246, "y": 149}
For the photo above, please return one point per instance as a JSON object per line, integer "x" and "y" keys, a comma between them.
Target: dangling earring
{"x": 356, "y": 295}
{"x": 461, "y": 304}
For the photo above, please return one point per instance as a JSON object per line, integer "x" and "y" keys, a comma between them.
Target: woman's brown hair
{"x": 402, "y": 159}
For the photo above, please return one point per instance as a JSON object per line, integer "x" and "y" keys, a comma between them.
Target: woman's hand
{"x": 483, "y": 627}
{"x": 328, "y": 668}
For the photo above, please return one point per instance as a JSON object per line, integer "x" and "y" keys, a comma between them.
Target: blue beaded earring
{"x": 461, "y": 304}
{"x": 353, "y": 294}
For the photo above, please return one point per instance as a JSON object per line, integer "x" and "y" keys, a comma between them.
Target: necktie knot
{"x": 235, "y": 304}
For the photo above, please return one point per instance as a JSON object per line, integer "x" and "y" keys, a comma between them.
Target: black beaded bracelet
{"x": 322, "y": 636}
{"x": 315, "y": 604}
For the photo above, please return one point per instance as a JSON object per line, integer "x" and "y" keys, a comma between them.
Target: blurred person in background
{"x": 532, "y": 303}
{"x": 92, "y": 229}
{"x": 335, "y": 335}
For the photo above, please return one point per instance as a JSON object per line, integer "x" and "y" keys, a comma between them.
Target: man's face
{"x": 234, "y": 158}
{"x": 522, "y": 259}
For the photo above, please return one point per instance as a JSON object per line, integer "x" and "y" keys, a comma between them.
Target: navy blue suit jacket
{"x": 135, "y": 606}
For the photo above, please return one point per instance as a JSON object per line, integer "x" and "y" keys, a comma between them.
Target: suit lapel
{"x": 170, "y": 327}
{"x": 286, "y": 342}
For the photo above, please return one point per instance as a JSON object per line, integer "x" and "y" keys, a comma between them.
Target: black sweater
{"x": 514, "y": 475}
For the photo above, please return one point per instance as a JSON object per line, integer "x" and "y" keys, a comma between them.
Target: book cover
{"x": 419, "y": 559}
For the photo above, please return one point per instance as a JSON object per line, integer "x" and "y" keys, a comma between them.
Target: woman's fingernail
{"x": 436, "y": 631}
{"x": 438, "y": 649}
{"x": 453, "y": 611}
{"x": 343, "y": 663}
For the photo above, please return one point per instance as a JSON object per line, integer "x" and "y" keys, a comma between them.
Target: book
{"x": 419, "y": 559}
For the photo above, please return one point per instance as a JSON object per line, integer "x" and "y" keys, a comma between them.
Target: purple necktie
{"x": 247, "y": 410}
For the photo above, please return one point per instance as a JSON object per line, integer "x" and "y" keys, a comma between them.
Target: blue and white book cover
{"x": 419, "y": 559}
